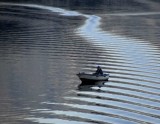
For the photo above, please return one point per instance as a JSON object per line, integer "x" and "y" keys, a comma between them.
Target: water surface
{"x": 43, "y": 47}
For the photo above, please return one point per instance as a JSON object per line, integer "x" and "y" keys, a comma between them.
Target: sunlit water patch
{"x": 130, "y": 96}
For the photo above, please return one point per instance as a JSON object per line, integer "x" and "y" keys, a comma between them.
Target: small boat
{"x": 92, "y": 78}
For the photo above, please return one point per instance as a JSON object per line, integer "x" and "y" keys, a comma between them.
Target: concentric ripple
{"x": 132, "y": 94}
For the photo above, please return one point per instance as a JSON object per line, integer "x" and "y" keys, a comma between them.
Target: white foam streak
{"x": 52, "y": 9}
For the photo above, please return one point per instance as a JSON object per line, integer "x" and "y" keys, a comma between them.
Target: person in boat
{"x": 99, "y": 71}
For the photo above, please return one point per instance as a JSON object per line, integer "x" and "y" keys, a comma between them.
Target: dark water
{"x": 42, "y": 48}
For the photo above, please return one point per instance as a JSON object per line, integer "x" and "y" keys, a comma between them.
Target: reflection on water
{"x": 84, "y": 86}
{"x": 41, "y": 50}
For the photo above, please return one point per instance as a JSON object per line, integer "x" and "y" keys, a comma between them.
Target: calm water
{"x": 43, "y": 47}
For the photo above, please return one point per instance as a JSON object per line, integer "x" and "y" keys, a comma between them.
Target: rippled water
{"x": 41, "y": 50}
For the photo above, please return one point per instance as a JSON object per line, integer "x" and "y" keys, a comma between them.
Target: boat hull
{"x": 91, "y": 78}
